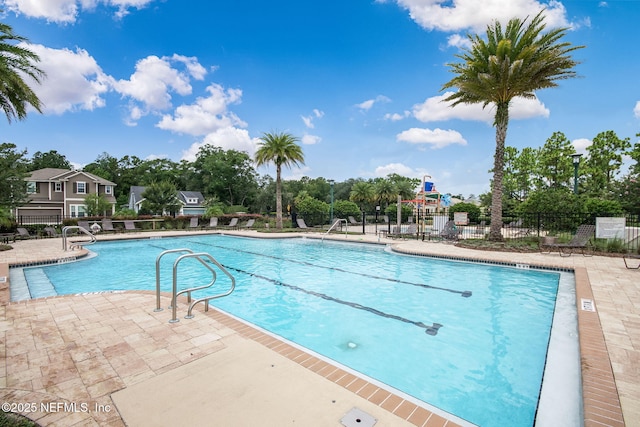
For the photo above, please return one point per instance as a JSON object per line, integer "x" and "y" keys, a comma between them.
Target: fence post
{"x": 363, "y": 218}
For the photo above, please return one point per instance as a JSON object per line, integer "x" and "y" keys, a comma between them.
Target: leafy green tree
{"x": 16, "y": 62}
{"x": 472, "y": 210}
{"x": 96, "y": 205}
{"x": 313, "y": 211}
{"x": 105, "y": 166}
{"x": 603, "y": 162}
{"x": 281, "y": 150}
{"x": 555, "y": 165}
{"x": 385, "y": 192}
{"x": 50, "y": 159}
{"x": 601, "y": 207}
{"x": 509, "y": 64}
{"x": 362, "y": 193}
{"x": 160, "y": 198}
{"x": 226, "y": 174}
{"x": 345, "y": 208}
{"x": 13, "y": 171}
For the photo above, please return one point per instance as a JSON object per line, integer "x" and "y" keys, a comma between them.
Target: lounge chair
{"x": 85, "y": 225}
{"x": 353, "y": 221}
{"x": 249, "y": 223}
{"x": 629, "y": 265}
{"x": 213, "y": 222}
{"x": 481, "y": 228}
{"x": 22, "y": 234}
{"x": 193, "y": 223}
{"x": 107, "y": 226}
{"x": 581, "y": 240}
{"x": 450, "y": 231}
{"x": 51, "y": 232}
{"x": 130, "y": 226}
{"x": 301, "y": 223}
{"x": 233, "y": 224}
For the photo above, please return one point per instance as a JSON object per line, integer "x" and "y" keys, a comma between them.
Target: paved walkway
{"x": 100, "y": 353}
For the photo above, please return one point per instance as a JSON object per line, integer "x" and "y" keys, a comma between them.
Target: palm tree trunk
{"x": 278, "y": 197}
{"x": 501, "y": 123}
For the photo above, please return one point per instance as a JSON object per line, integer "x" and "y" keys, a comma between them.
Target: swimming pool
{"x": 374, "y": 311}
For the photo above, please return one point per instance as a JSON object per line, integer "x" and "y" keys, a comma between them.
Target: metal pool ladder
{"x": 205, "y": 259}
{"x": 336, "y": 222}
{"x": 79, "y": 243}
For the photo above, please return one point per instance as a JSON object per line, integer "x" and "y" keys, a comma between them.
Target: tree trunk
{"x": 278, "y": 197}
{"x": 501, "y": 123}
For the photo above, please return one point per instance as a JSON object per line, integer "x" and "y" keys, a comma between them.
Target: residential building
{"x": 190, "y": 202}
{"x": 55, "y": 194}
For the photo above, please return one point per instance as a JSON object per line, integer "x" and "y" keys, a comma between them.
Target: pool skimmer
{"x": 358, "y": 418}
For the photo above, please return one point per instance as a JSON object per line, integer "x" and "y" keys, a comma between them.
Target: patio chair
{"x": 632, "y": 256}
{"x": 233, "y": 224}
{"x": 213, "y": 222}
{"x": 107, "y": 226}
{"x": 301, "y": 223}
{"x": 481, "y": 228}
{"x": 581, "y": 240}
{"x": 85, "y": 225}
{"x": 193, "y": 223}
{"x": 130, "y": 226}
{"x": 249, "y": 223}
{"x": 22, "y": 234}
{"x": 51, "y": 232}
{"x": 450, "y": 231}
{"x": 353, "y": 221}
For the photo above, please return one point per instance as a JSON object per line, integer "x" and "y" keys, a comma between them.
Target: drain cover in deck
{"x": 358, "y": 418}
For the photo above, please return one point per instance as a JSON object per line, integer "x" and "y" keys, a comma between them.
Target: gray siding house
{"x": 191, "y": 202}
{"x": 61, "y": 192}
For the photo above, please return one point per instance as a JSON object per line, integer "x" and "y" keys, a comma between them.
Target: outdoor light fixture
{"x": 576, "y": 164}
{"x": 331, "y": 182}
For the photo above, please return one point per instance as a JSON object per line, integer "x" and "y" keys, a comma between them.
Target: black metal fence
{"x": 614, "y": 233}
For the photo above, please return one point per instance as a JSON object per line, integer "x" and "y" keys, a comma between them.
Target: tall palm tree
{"x": 16, "y": 62}
{"x": 509, "y": 64}
{"x": 362, "y": 193}
{"x": 280, "y": 149}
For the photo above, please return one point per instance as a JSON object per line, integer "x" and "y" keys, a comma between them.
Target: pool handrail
{"x": 158, "y": 258}
{"x": 199, "y": 256}
{"x": 80, "y": 243}
{"x": 335, "y": 223}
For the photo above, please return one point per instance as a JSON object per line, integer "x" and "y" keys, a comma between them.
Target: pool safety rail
{"x": 335, "y": 224}
{"x": 76, "y": 243}
{"x": 206, "y": 260}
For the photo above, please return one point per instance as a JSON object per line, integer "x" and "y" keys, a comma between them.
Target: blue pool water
{"x": 468, "y": 338}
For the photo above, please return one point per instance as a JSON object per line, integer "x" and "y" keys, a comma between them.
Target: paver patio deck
{"x": 88, "y": 348}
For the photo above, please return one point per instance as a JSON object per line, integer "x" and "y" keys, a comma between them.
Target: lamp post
{"x": 331, "y": 182}
{"x": 576, "y": 164}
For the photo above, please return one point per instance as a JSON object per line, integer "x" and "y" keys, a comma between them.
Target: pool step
{"x": 19, "y": 287}
{"x": 39, "y": 283}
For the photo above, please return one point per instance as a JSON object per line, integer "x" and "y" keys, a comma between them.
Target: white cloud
{"x": 206, "y": 115}
{"x": 456, "y": 40}
{"x": 437, "y": 138}
{"x": 310, "y": 139}
{"x": 152, "y": 81}
{"x": 399, "y": 168}
{"x": 434, "y": 109}
{"x": 396, "y": 116}
{"x": 457, "y": 15}
{"x": 308, "y": 120}
{"x": 581, "y": 145}
{"x": 366, "y": 105}
{"x": 66, "y": 11}
{"x": 74, "y": 80}
{"x": 229, "y": 138}
{"x": 636, "y": 110}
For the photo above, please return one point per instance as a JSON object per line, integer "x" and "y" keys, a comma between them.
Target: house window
{"x": 77, "y": 211}
{"x": 192, "y": 200}
{"x": 107, "y": 189}
{"x": 31, "y": 187}
{"x": 58, "y": 187}
{"x": 81, "y": 187}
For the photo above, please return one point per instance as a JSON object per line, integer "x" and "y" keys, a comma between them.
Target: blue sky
{"x": 358, "y": 81}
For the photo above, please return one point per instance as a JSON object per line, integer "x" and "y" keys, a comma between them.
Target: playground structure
{"x": 429, "y": 202}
